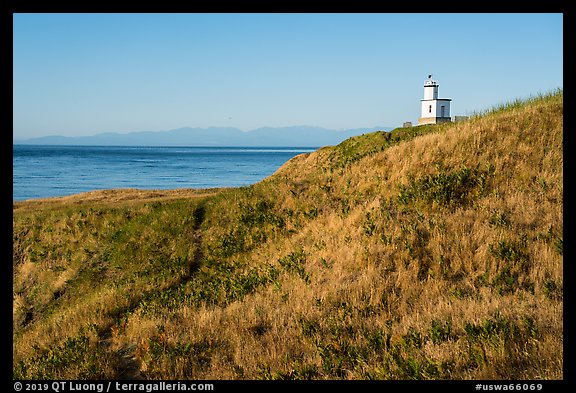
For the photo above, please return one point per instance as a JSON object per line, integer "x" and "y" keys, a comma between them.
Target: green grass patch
{"x": 447, "y": 188}
{"x": 75, "y": 358}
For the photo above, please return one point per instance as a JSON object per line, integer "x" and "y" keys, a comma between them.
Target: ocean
{"x": 49, "y": 171}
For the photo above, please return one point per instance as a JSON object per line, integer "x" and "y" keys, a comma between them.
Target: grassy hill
{"x": 431, "y": 252}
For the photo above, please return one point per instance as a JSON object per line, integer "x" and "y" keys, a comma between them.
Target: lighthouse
{"x": 434, "y": 109}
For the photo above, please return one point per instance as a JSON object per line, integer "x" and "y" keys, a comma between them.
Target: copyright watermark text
{"x": 110, "y": 386}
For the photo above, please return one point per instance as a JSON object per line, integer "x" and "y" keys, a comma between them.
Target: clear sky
{"x": 82, "y": 74}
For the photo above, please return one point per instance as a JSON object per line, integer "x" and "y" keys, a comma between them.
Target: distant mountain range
{"x": 294, "y": 136}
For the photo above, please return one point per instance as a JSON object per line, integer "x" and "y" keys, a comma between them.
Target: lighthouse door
{"x": 442, "y": 109}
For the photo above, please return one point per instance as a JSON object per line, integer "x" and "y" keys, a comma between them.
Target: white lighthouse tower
{"x": 434, "y": 109}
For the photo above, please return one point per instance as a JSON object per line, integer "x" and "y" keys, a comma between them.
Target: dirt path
{"x": 199, "y": 214}
{"x": 126, "y": 364}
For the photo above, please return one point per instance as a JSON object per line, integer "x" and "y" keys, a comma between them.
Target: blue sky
{"x": 82, "y": 74}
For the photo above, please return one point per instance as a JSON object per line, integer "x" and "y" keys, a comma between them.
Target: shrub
{"x": 294, "y": 262}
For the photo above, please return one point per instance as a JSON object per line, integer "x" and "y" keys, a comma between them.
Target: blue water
{"x": 48, "y": 171}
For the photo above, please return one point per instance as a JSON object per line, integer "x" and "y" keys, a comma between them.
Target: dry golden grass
{"x": 114, "y": 197}
{"x": 438, "y": 256}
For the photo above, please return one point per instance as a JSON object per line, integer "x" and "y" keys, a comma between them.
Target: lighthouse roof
{"x": 430, "y": 82}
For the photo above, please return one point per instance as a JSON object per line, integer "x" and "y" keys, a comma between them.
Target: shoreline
{"x": 118, "y": 195}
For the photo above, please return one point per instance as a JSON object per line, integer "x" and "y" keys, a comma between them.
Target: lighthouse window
{"x": 430, "y": 109}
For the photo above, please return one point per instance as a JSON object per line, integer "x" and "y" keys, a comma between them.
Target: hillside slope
{"x": 431, "y": 252}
